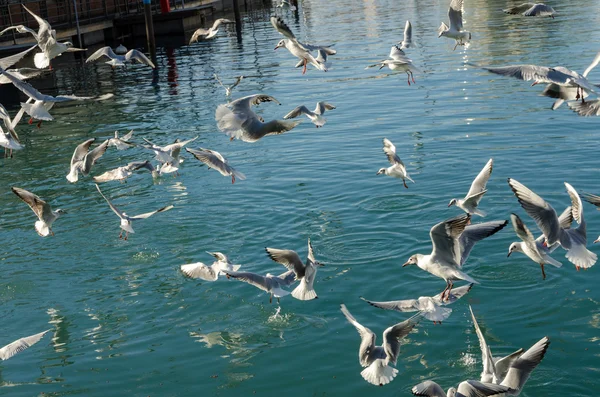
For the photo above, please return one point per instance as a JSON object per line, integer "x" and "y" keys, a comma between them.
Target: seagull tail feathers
{"x": 304, "y": 291}
{"x": 378, "y": 373}
{"x": 42, "y": 229}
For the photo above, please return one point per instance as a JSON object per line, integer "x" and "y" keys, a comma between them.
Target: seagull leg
{"x": 31, "y": 118}
{"x": 51, "y": 232}
{"x": 230, "y": 139}
{"x": 449, "y": 290}
{"x": 278, "y": 302}
{"x": 304, "y": 68}
{"x": 456, "y": 45}
{"x": 271, "y": 298}
{"x": 543, "y": 272}
{"x": 412, "y": 77}
{"x": 121, "y": 234}
{"x": 408, "y": 78}
{"x": 405, "y": 185}
{"x": 577, "y": 267}
{"x": 126, "y": 234}
{"x": 232, "y": 179}
{"x": 39, "y": 124}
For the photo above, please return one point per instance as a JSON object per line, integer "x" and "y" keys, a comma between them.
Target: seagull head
{"x": 451, "y": 392}
{"x": 452, "y": 202}
{"x": 60, "y": 212}
{"x": 280, "y": 44}
{"x": 219, "y": 256}
{"x": 68, "y": 44}
{"x": 381, "y": 171}
{"x": 413, "y": 260}
{"x": 514, "y": 247}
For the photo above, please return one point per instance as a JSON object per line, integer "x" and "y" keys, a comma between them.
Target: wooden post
{"x": 238, "y": 20}
{"x": 150, "y": 30}
{"x": 14, "y": 36}
{"x": 80, "y": 44}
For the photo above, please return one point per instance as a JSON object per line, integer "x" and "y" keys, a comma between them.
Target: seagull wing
{"x": 282, "y": 27}
{"x": 429, "y": 389}
{"x": 390, "y": 151}
{"x": 392, "y": 335}
{"x": 212, "y": 160}
{"x": 201, "y": 271}
{"x": 523, "y": 232}
{"x": 19, "y": 345}
{"x": 139, "y": 57}
{"x": 541, "y": 10}
{"x": 445, "y": 238}
{"x": 522, "y": 368}
{"x": 407, "y": 41}
{"x": 81, "y": 151}
{"x": 299, "y": 111}
{"x": 587, "y": 108}
{"x": 149, "y": 214}
{"x": 481, "y": 180}
{"x": 455, "y": 294}
{"x": 472, "y": 388}
{"x": 289, "y": 259}
{"x": 455, "y": 15}
{"x": 25, "y": 87}
{"x": 236, "y": 82}
{"x": 9, "y": 61}
{"x": 91, "y": 157}
{"x": 541, "y": 74}
{"x": 39, "y": 207}
{"x": 323, "y": 106}
{"x": 489, "y": 370}
{"x": 407, "y": 305}
{"x": 102, "y": 52}
{"x": 367, "y": 338}
{"x": 475, "y": 233}
{"x": 518, "y": 9}
{"x": 110, "y": 204}
{"x": 260, "y": 282}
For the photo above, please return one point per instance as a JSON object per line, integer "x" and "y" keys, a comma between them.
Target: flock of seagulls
{"x": 452, "y": 239}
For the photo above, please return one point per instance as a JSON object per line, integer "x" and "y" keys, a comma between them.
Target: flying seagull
{"x": 231, "y": 87}
{"x": 531, "y": 10}
{"x": 315, "y": 116}
{"x": 115, "y": 60}
{"x": 269, "y": 283}
{"x": 204, "y": 34}
{"x": 398, "y": 61}
{"x": 455, "y": 31}
{"x": 212, "y": 272}
{"x": 397, "y": 168}
{"x": 83, "y": 159}
{"x": 470, "y": 203}
{"x": 46, "y": 216}
{"x": 215, "y": 160}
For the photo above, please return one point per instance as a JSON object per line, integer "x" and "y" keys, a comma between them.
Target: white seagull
{"x": 467, "y": 388}
{"x": 238, "y": 120}
{"x": 511, "y": 371}
{"x": 305, "y": 272}
{"x": 397, "y": 169}
{"x": 535, "y": 248}
{"x": 120, "y": 60}
{"x": 376, "y": 359}
{"x": 209, "y": 33}
{"x": 399, "y": 61}
{"x": 122, "y": 173}
{"x": 20, "y": 344}
{"x": 452, "y": 241}
{"x": 269, "y": 283}
{"x": 121, "y": 143}
{"x": 315, "y": 116}
{"x": 9, "y": 140}
{"x": 531, "y": 10}
{"x": 455, "y": 31}
{"x": 215, "y": 160}
{"x": 212, "y": 272}
{"x": 83, "y": 159}
{"x": 430, "y": 307}
{"x": 231, "y": 87}
{"x": 572, "y": 240}
{"x": 46, "y": 216}
{"x": 298, "y": 49}
{"x": 471, "y": 201}
{"x": 127, "y": 220}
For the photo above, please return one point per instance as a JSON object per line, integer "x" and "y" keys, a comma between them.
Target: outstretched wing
{"x": 390, "y": 151}
{"x": 474, "y": 233}
{"x": 481, "y": 180}
{"x": 406, "y": 305}
{"x": 428, "y": 389}
{"x": 299, "y": 111}
{"x": 282, "y": 27}
{"x": 139, "y": 57}
{"x": 392, "y": 336}
{"x": 102, "y": 52}
{"x": 19, "y": 345}
{"x": 289, "y": 259}
{"x": 445, "y": 238}
{"x": 367, "y": 337}
{"x": 149, "y": 214}
{"x": 455, "y": 15}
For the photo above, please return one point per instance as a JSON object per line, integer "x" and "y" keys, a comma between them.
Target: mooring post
{"x": 238, "y": 20}
{"x": 150, "y": 30}
{"x": 80, "y": 44}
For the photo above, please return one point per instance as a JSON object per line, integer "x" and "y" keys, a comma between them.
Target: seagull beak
{"x": 320, "y": 264}
{"x": 596, "y": 240}
{"x": 509, "y": 252}
{"x": 406, "y": 264}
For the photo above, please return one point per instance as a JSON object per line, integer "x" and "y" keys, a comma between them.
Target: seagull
{"x": 471, "y": 201}
{"x": 41, "y": 209}
{"x": 467, "y": 388}
{"x": 452, "y": 242}
{"x": 297, "y": 48}
{"x": 205, "y": 34}
{"x": 9, "y": 140}
{"x": 558, "y": 75}
{"x": 407, "y": 41}
{"x": 376, "y": 359}
{"x": 455, "y": 31}
{"x": 121, "y": 143}
{"x": 47, "y": 42}
{"x": 532, "y": 10}
{"x": 397, "y": 169}
{"x": 173, "y": 150}
{"x": 215, "y": 160}
{"x": 315, "y": 116}
{"x": 127, "y": 220}
{"x": 399, "y": 61}
{"x": 120, "y": 60}
{"x": 41, "y": 103}
{"x": 513, "y": 370}
{"x": 430, "y": 307}
{"x": 572, "y": 240}
{"x": 595, "y": 200}
{"x": 238, "y": 120}
{"x": 83, "y": 158}
{"x": 231, "y": 87}
{"x": 534, "y": 248}
{"x": 305, "y": 272}
{"x": 122, "y": 173}
{"x": 212, "y": 272}
{"x": 268, "y": 283}
{"x": 19, "y": 345}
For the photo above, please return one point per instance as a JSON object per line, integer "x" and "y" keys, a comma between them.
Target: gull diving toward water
{"x": 315, "y": 116}
{"x": 115, "y": 60}
{"x": 47, "y": 42}
{"x": 269, "y": 283}
{"x": 511, "y": 371}
{"x": 9, "y": 140}
{"x": 430, "y": 307}
{"x": 205, "y": 34}
{"x": 572, "y": 240}
{"x": 455, "y": 31}
{"x": 399, "y": 61}
{"x": 127, "y": 220}
{"x": 238, "y": 120}
{"x": 452, "y": 242}
{"x": 397, "y": 169}
{"x": 535, "y": 248}
{"x": 212, "y": 272}
{"x": 407, "y": 41}
{"x": 298, "y": 49}
{"x": 83, "y": 159}
{"x": 231, "y": 87}
{"x": 41, "y": 209}
{"x": 215, "y": 160}
{"x": 122, "y": 173}
{"x": 531, "y": 10}
{"x": 305, "y": 272}
{"x": 121, "y": 143}
{"x": 20, "y": 344}
{"x": 471, "y": 201}
{"x": 467, "y": 388}
{"x": 376, "y": 359}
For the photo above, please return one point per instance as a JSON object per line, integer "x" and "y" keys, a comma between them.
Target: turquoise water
{"x": 126, "y": 322}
